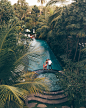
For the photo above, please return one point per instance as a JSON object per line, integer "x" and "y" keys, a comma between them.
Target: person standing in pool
{"x": 49, "y": 64}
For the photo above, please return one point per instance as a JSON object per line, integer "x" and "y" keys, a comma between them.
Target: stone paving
{"x": 49, "y": 96}
{"x": 47, "y": 101}
{"x": 65, "y": 107}
{"x": 41, "y": 105}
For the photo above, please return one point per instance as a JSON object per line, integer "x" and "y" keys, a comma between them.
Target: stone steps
{"x": 46, "y": 100}
{"x": 49, "y": 97}
{"x": 54, "y": 93}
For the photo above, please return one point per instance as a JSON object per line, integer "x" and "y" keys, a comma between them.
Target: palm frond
{"x": 33, "y": 84}
{"x": 45, "y": 27}
{"x": 42, "y": 1}
{"x": 10, "y": 93}
{"x": 52, "y": 2}
{"x": 55, "y": 1}
{"x": 6, "y": 36}
{"x": 56, "y": 19}
{"x": 55, "y": 15}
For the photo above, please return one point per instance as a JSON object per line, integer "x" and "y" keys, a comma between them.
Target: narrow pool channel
{"x": 41, "y": 52}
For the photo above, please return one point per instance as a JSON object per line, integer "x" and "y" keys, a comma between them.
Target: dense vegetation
{"x": 63, "y": 28}
{"x": 65, "y": 33}
{"x": 13, "y": 54}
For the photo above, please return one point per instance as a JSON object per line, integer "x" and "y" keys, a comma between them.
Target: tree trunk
{"x": 80, "y": 50}
{"x": 73, "y": 106}
{"x": 45, "y": 12}
{"x": 67, "y": 46}
{"x": 0, "y": 81}
{"x": 76, "y": 49}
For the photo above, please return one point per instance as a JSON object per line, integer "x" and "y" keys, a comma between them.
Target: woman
{"x": 45, "y": 66}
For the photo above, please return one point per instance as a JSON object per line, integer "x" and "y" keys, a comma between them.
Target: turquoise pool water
{"x": 51, "y": 80}
{"x": 40, "y": 52}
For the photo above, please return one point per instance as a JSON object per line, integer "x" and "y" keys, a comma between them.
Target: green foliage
{"x": 35, "y": 10}
{"x": 10, "y": 95}
{"x": 6, "y": 11}
{"x": 73, "y": 80}
{"x": 13, "y": 54}
{"x": 67, "y": 29}
{"x": 20, "y": 9}
{"x": 29, "y": 82}
{"x": 7, "y": 53}
{"x": 55, "y": 1}
{"x": 34, "y": 14}
{"x": 43, "y": 30}
{"x": 42, "y": 1}
{"x": 17, "y": 94}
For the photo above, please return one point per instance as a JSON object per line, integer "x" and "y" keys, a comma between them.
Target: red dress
{"x": 45, "y": 66}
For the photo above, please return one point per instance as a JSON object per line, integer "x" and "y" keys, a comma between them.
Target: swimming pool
{"x": 51, "y": 79}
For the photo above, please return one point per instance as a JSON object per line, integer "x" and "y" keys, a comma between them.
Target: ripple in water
{"x": 51, "y": 80}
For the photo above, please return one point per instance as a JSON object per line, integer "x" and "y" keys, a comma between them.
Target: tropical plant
{"x": 67, "y": 35}
{"x": 6, "y": 11}
{"x": 73, "y": 81}
{"x": 55, "y": 1}
{"x": 17, "y": 94}
{"x": 13, "y": 54}
{"x": 42, "y": 1}
{"x": 11, "y": 97}
{"x": 20, "y": 9}
{"x": 34, "y": 15}
{"x": 31, "y": 83}
{"x": 7, "y": 54}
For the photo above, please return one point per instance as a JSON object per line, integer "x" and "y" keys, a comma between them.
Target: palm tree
{"x": 12, "y": 96}
{"x": 17, "y": 93}
{"x": 31, "y": 83}
{"x": 55, "y": 1}
{"x": 7, "y": 46}
{"x": 42, "y": 2}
